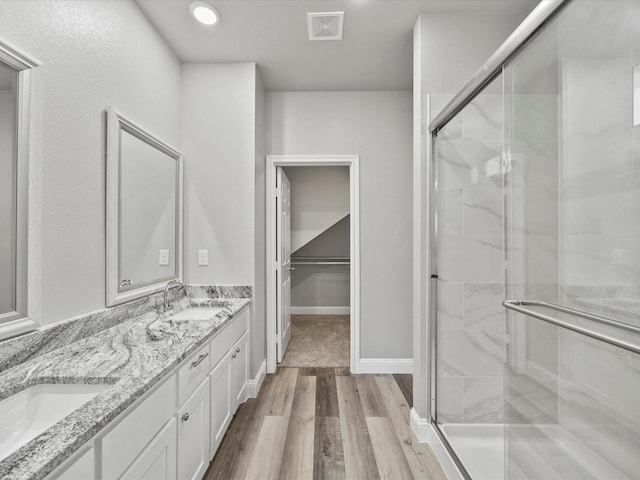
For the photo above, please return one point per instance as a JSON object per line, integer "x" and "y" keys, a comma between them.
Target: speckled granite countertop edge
{"x": 138, "y": 363}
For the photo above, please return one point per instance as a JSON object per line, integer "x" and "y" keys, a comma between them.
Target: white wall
{"x": 319, "y": 199}
{"x": 93, "y": 54}
{"x": 259, "y": 326}
{"x": 7, "y": 202}
{"x": 219, "y": 164}
{"x": 377, "y": 126}
{"x": 454, "y": 46}
{"x": 220, "y": 138}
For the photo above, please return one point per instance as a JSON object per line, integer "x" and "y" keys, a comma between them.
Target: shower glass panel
{"x": 572, "y": 403}
{"x": 536, "y": 189}
{"x": 470, "y": 286}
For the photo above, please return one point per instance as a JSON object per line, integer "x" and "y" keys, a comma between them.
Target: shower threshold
{"x": 540, "y": 452}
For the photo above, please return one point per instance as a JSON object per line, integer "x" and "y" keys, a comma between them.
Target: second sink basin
{"x": 197, "y": 313}
{"x": 28, "y": 413}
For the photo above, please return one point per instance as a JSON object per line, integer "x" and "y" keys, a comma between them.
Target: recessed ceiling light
{"x": 204, "y": 13}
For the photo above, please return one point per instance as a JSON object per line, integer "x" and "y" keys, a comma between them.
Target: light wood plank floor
{"x": 324, "y": 423}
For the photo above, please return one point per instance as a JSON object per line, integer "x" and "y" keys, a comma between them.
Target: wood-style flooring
{"x": 324, "y": 423}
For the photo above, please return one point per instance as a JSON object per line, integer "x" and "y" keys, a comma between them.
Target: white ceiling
{"x": 375, "y": 53}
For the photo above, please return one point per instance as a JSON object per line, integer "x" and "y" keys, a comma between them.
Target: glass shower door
{"x": 573, "y": 401}
{"x": 470, "y": 326}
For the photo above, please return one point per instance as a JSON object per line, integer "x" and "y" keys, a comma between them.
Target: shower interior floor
{"x": 536, "y": 452}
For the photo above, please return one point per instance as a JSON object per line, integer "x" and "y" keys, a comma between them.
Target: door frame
{"x": 353, "y": 162}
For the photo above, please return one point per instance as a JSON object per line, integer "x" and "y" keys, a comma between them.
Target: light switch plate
{"x": 203, "y": 257}
{"x": 163, "y": 257}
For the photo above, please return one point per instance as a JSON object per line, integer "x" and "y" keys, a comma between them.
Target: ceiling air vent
{"x": 325, "y": 26}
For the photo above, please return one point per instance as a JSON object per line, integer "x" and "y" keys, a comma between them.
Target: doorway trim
{"x": 353, "y": 162}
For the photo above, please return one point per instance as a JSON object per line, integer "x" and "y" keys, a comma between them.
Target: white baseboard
{"x": 420, "y": 427}
{"x": 320, "y": 310}
{"x": 426, "y": 433}
{"x": 386, "y": 365}
{"x": 254, "y": 384}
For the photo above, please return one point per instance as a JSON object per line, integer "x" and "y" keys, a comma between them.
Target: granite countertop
{"x": 131, "y": 356}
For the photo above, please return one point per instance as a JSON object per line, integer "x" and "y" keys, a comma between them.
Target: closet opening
{"x": 312, "y": 262}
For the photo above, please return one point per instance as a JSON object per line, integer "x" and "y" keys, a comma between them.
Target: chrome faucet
{"x": 166, "y": 304}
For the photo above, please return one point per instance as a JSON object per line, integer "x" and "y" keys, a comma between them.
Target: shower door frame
{"x": 492, "y": 68}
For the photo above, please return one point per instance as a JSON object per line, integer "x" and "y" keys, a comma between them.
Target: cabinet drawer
{"x": 220, "y": 345}
{"x": 241, "y": 324}
{"x": 125, "y": 442}
{"x": 192, "y": 372}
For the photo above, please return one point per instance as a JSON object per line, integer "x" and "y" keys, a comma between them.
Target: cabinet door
{"x": 239, "y": 371}
{"x": 122, "y": 445}
{"x": 158, "y": 460}
{"x": 193, "y": 434}
{"x": 82, "y": 468}
{"x": 221, "y": 401}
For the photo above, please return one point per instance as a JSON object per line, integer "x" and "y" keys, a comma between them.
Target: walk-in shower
{"x": 535, "y": 188}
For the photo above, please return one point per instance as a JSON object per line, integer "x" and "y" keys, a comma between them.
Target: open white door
{"x": 283, "y": 241}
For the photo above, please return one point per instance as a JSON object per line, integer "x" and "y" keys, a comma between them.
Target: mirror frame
{"x": 26, "y": 316}
{"x": 116, "y": 123}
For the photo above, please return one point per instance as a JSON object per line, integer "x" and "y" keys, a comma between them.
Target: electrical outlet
{"x": 163, "y": 257}
{"x": 203, "y": 257}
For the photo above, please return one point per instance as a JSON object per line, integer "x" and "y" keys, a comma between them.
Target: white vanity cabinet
{"x": 229, "y": 376}
{"x": 193, "y": 415}
{"x": 221, "y": 404}
{"x": 158, "y": 460}
{"x": 173, "y": 431}
{"x": 193, "y": 434}
{"x": 192, "y": 372}
{"x": 239, "y": 370}
{"x": 123, "y": 444}
{"x": 80, "y": 468}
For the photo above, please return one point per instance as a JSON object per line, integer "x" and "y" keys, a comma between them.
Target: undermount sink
{"x": 28, "y": 413}
{"x": 197, "y": 313}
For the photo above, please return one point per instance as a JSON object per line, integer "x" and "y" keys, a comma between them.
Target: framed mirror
{"x": 19, "y": 259}
{"x": 144, "y": 212}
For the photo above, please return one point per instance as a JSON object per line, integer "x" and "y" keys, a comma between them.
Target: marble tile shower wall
{"x": 600, "y": 183}
{"x": 532, "y": 252}
{"x": 599, "y": 385}
{"x": 471, "y": 331}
